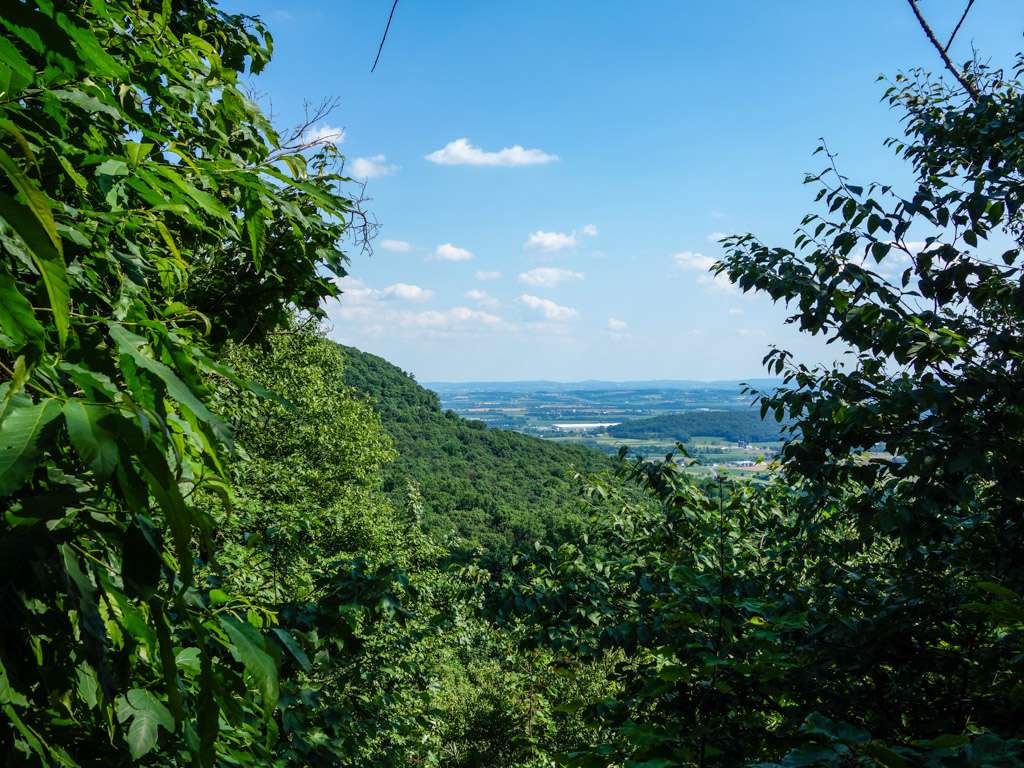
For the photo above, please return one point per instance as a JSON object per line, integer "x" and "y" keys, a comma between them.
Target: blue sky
{"x": 549, "y": 176}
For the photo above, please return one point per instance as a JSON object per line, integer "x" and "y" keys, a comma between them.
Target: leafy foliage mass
{"x": 148, "y": 211}
{"x": 226, "y": 541}
{"x": 866, "y": 608}
{"x": 735, "y": 425}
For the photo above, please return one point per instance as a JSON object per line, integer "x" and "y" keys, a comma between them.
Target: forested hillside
{"x": 740, "y": 424}
{"x": 492, "y": 488}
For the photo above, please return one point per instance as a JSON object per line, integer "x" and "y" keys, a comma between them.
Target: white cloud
{"x": 455, "y": 316}
{"x": 396, "y": 246}
{"x": 718, "y": 282}
{"x": 550, "y": 241}
{"x": 355, "y": 293}
{"x": 550, "y": 309}
{"x": 484, "y": 275}
{"x": 449, "y": 252}
{"x": 735, "y": 311}
{"x": 692, "y": 261}
{"x": 371, "y": 167}
{"x": 408, "y": 292}
{"x": 590, "y": 230}
{"x": 379, "y": 312}
{"x": 481, "y": 297}
{"x": 616, "y": 326}
{"x": 714, "y": 237}
{"x": 323, "y": 134}
{"x": 548, "y": 277}
{"x": 750, "y": 332}
{"x": 461, "y": 152}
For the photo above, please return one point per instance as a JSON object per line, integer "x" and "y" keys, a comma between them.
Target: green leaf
{"x": 74, "y": 175}
{"x": 249, "y": 647}
{"x": 95, "y": 444}
{"x": 8, "y": 695}
{"x": 997, "y": 589}
{"x": 255, "y": 225}
{"x": 293, "y": 647}
{"x": 137, "y": 152}
{"x": 46, "y": 258}
{"x": 206, "y": 201}
{"x": 188, "y": 659}
{"x": 147, "y": 714}
{"x": 10, "y": 56}
{"x": 87, "y": 103}
{"x": 37, "y": 202}
{"x": 131, "y": 345}
{"x": 164, "y": 487}
{"x": 88, "y": 687}
{"x": 19, "y": 436}
{"x": 112, "y": 167}
{"x": 17, "y": 320}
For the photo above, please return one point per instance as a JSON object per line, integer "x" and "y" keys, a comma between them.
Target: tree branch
{"x": 958, "y": 25}
{"x": 385, "y": 37}
{"x": 967, "y": 84}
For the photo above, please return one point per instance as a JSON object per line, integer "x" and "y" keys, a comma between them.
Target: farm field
{"x": 655, "y": 418}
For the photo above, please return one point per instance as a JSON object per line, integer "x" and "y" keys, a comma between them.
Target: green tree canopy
{"x": 148, "y": 211}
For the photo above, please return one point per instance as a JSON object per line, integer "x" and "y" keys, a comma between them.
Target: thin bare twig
{"x": 958, "y": 25}
{"x": 967, "y": 84}
{"x": 385, "y": 36}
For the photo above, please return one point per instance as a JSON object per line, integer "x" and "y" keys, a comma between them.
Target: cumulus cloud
{"x": 356, "y": 293}
{"x": 371, "y": 167}
{"x": 408, "y": 292}
{"x": 484, "y": 275}
{"x": 550, "y": 241}
{"x": 456, "y": 316}
{"x": 548, "y": 277}
{"x": 461, "y": 152}
{"x": 396, "y": 246}
{"x": 590, "y": 230}
{"x": 481, "y": 297}
{"x": 692, "y": 261}
{"x": 449, "y": 252}
{"x": 323, "y": 134}
{"x": 617, "y": 327}
{"x": 550, "y": 309}
{"x": 382, "y": 311}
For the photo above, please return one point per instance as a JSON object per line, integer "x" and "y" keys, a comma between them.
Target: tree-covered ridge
{"x": 738, "y": 424}
{"x": 492, "y": 488}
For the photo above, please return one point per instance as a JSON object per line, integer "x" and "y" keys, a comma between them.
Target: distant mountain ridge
{"x": 597, "y": 384}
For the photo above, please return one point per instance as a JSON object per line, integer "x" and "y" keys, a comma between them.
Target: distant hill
{"x": 492, "y": 487}
{"x": 453, "y": 387}
{"x": 739, "y": 424}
